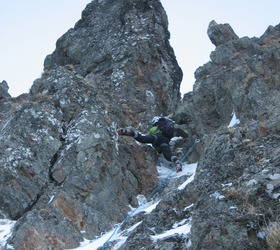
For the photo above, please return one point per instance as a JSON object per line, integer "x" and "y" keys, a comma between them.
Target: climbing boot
{"x": 127, "y": 132}
{"x": 178, "y": 166}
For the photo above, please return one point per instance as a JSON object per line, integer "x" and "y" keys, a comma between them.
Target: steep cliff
{"x": 237, "y": 178}
{"x": 63, "y": 169}
{"x": 67, "y": 178}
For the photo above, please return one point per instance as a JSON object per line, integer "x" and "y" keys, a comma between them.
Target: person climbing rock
{"x": 159, "y": 135}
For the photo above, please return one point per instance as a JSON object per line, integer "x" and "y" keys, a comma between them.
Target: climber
{"x": 159, "y": 135}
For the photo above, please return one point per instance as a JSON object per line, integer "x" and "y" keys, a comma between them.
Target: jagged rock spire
{"x": 220, "y": 33}
{"x": 4, "y": 90}
{"x": 64, "y": 170}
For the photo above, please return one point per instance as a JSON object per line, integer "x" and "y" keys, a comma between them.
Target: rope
{"x": 160, "y": 184}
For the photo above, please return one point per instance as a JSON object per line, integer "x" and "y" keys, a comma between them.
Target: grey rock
{"x": 220, "y": 33}
{"x": 4, "y": 90}
{"x": 123, "y": 47}
{"x": 239, "y": 79}
{"x": 66, "y": 175}
{"x": 60, "y": 151}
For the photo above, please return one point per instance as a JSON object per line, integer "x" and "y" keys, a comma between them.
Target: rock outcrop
{"x": 63, "y": 169}
{"x": 122, "y": 47}
{"x": 238, "y": 173}
{"x": 5, "y": 104}
{"x": 242, "y": 77}
{"x": 66, "y": 175}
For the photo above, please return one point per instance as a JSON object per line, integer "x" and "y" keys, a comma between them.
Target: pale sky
{"x": 29, "y": 30}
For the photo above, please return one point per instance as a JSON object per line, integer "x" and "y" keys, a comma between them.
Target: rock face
{"x": 4, "y": 99}
{"x": 66, "y": 175}
{"x": 220, "y": 33}
{"x": 122, "y": 47}
{"x": 242, "y": 77}
{"x": 4, "y": 90}
{"x": 63, "y": 168}
{"x": 238, "y": 173}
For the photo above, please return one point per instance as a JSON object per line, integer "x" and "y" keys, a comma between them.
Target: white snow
{"x": 184, "y": 229}
{"x": 234, "y": 121}
{"x": 99, "y": 242}
{"x": 218, "y": 196}
{"x": 176, "y": 138}
{"x": 51, "y": 199}
{"x": 147, "y": 207}
{"x": 189, "y": 180}
{"x": 180, "y": 228}
{"x": 177, "y": 224}
{"x": 261, "y": 234}
{"x": 6, "y": 227}
{"x": 187, "y": 169}
{"x": 115, "y": 137}
{"x": 188, "y": 207}
{"x": 227, "y": 185}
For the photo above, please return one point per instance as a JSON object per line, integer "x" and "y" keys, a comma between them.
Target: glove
{"x": 178, "y": 166}
{"x": 127, "y": 132}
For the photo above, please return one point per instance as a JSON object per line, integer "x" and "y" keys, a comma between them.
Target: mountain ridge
{"x": 66, "y": 176}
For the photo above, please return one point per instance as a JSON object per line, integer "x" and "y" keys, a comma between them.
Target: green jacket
{"x": 154, "y": 130}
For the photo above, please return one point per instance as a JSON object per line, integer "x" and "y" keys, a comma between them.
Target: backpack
{"x": 166, "y": 126}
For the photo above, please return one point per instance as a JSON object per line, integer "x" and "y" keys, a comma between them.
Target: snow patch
{"x": 6, "y": 227}
{"x": 149, "y": 209}
{"x": 234, "y": 121}
{"x": 181, "y": 230}
{"x": 115, "y": 137}
{"x": 218, "y": 196}
{"x": 100, "y": 241}
{"x": 177, "y": 224}
{"x": 261, "y": 234}
{"x": 146, "y": 207}
{"x": 189, "y": 180}
{"x": 176, "y": 138}
{"x": 187, "y": 169}
{"x": 188, "y": 207}
{"x": 227, "y": 185}
{"x": 51, "y": 199}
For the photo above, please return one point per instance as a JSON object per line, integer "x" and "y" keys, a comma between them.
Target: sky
{"x": 29, "y": 30}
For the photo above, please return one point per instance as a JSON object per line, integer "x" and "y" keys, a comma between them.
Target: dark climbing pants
{"x": 159, "y": 141}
